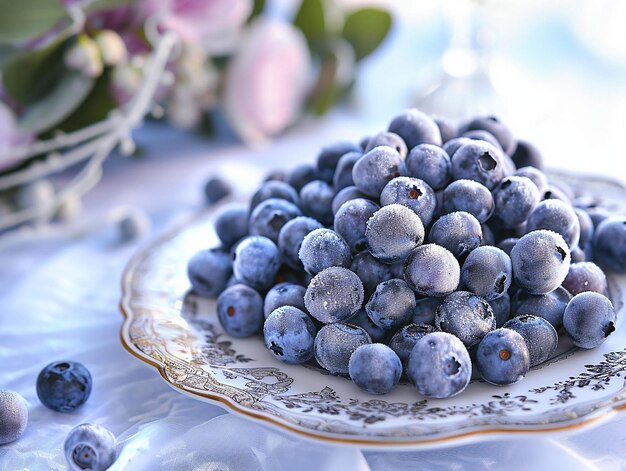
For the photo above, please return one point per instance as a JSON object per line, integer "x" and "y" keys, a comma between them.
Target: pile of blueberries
{"x": 429, "y": 250}
{"x": 62, "y": 386}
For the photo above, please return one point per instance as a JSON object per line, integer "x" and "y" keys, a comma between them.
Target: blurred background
{"x": 235, "y": 85}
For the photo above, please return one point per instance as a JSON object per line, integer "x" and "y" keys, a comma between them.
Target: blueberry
{"x": 231, "y": 224}
{"x": 335, "y": 344}
{"x": 487, "y": 272}
{"x": 431, "y": 164}
{"x": 392, "y": 304}
{"x": 501, "y": 308}
{"x": 216, "y": 189}
{"x": 489, "y": 237}
{"x": 404, "y": 340}
{"x": 301, "y": 175}
{"x": 316, "y": 200}
{"x": 459, "y": 232}
{"x": 539, "y": 335}
{"x": 64, "y": 386}
{"x": 439, "y": 365}
{"x": 586, "y": 229}
{"x": 389, "y": 139}
{"x": 375, "y": 368}
{"x": 479, "y": 161}
{"x": 527, "y": 155}
{"x": 585, "y": 276}
{"x": 609, "y": 244}
{"x": 323, "y": 248}
{"x": 415, "y": 128}
{"x": 455, "y": 144}
{"x": 284, "y": 294}
{"x": 469, "y": 196}
{"x": 240, "y": 311}
{"x": 274, "y": 189}
{"x": 550, "y": 306}
{"x": 579, "y": 255}
{"x": 589, "y": 319}
{"x": 362, "y": 320}
{"x": 537, "y": 176}
{"x": 209, "y": 271}
{"x": 515, "y": 199}
{"x": 291, "y": 236}
{"x": 447, "y": 129}
{"x": 393, "y": 232}
{"x": 334, "y": 295}
{"x": 376, "y": 168}
{"x": 553, "y": 192}
{"x": 495, "y": 127}
{"x": 328, "y": 158}
{"x": 13, "y": 416}
{"x": 90, "y": 446}
{"x": 432, "y": 270}
{"x": 276, "y": 175}
{"x": 345, "y": 195}
{"x": 287, "y": 274}
{"x": 482, "y": 135}
{"x": 343, "y": 173}
{"x": 412, "y": 193}
{"x": 256, "y": 263}
{"x": 465, "y": 315}
{"x": 507, "y": 244}
{"x": 540, "y": 261}
{"x": 268, "y": 218}
{"x": 289, "y": 334}
{"x": 502, "y": 357}
{"x": 558, "y": 216}
{"x": 425, "y": 309}
{"x": 351, "y": 222}
{"x": 370, "y": 271}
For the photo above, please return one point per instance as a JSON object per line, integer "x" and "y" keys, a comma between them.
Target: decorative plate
{"x": 179, "y": 333}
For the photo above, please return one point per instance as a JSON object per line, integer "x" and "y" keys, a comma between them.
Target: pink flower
{"x": 10, "y": 136}
{"x": 267, "y": 80}
{"x": 213, "y": 23}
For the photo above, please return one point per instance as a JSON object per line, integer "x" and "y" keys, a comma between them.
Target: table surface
{"x": 59, "y": 297}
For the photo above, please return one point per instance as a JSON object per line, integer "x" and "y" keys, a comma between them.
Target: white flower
{"x": 84, "y": 56}
{"x": 111, "y": 46}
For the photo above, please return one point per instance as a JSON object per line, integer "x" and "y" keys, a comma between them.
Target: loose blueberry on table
{"x": 429, "y": 239}
{"x": 63, "y": 386}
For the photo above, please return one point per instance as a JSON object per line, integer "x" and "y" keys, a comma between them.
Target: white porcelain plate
{"x": 179, "y": 334}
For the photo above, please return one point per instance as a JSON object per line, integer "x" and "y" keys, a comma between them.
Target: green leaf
{"x": 326, "y": 91}
{"x": 311, "y": 20}
{"x": 22, "y": 20}
{"x": 94, "y": 108}
{"x": 28, "y": 75}
{"x": 257, "y": 9}
{"x": 70, "y": 91}
{"x": 99, "y": 5}
{"x": 365, "y": 29}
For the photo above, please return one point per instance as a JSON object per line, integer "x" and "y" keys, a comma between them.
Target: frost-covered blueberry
{"x": 527, "y": 155}
{"x": 231, "y": 224}
{"x": 323, "y": 248}
{"x": 585, "y": 276}
{"x": 345, "y": 195}
{"x": 515, "y": 198}
{"x": 550, "y": 306}
{"x": 429, "y": 163}
{"x": 334, "y": 295}
{"x": 479, "y": 161}
{"x": 501, "y": 309}
{"x": 343, "y": 173}
{"x": 502, "y": 357}
{"x": 432, "y": 270}
{"x": 455, "y": 144}
{"x": 404, "y": 339}
{"x": 389, "y": 139}
{"x": 393, "y": 232}
{"x": 495, "y": 127}
{"x": 412, "y": 193}
{"x": 482, "y": 135}
{"x": 392, "y": 304}
{"x": 316, "y": 200}
{"x": 240, "y": 311}
{"x": 329, "y": 156}
{"x": 63, "y": 386}
{"x": 376, "y": 168}
{"x": 274, "y": 189}
{"x": 416, "y": 128}
{"x": 425, "y": 309}
{"x": 589, "y": 319}
{"x": 13, "y": 416}
{"x": 540, "y": 336}
{"x": 291, "y": 236}
{"x": 335, "y": 343}
{"x": 537, "y": 176}
{"x": 540, "y": 261}
{"x": 90, "y": 446}
{"x": 439, "y": 365}
{"x": 375, "y": 368}
{"x": 459, "y": 232}
{"x": 256, "y": 262}
{"x": 558, "y": 216}
{"x": 289, "y": 334}
{"x": 376, "y": 333}
{"x": 284, "y": 294}
{"x": 465, "y": 315}
{"x": 268, "y": 218}
{"x": 447, "y": 129}
{"x": 216, "y": 189}
{"x": 469, "y": 196}
{"x": 609, "y": 244}
{"x": 301, "y": 175}
{"x": 370, "y": 271}
{"x": 487, "y": 272}
{"x": 351, "y": 222}
{"x": 209, "y": 271}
